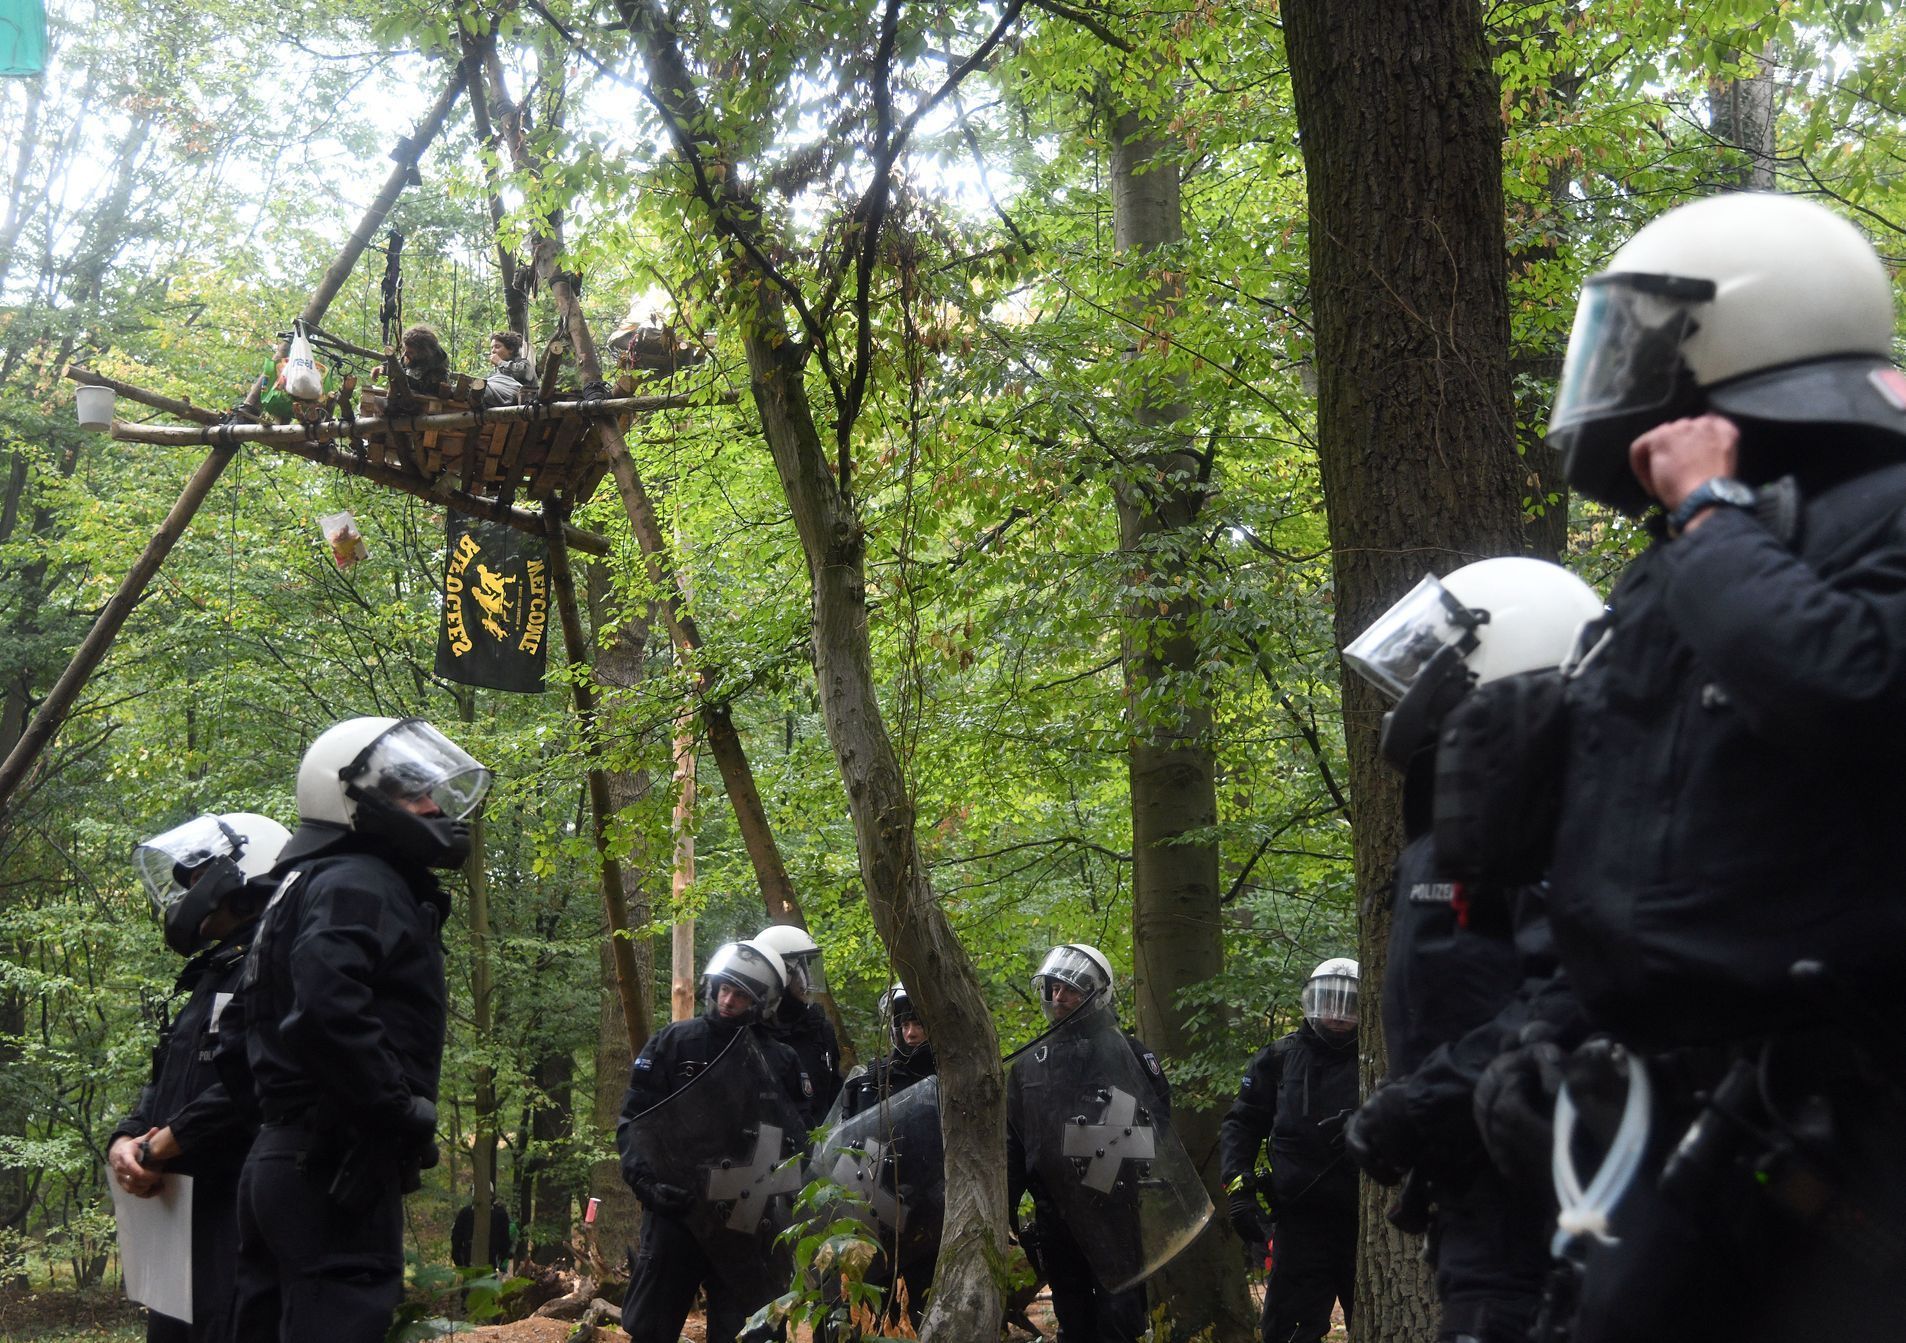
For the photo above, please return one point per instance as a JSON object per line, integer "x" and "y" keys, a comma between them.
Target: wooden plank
{"x": 552, "y": 472}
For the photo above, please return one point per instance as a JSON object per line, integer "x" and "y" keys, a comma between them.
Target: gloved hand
{"x": 660, "y": 1196}
{"x": 1247, "y": 1217}
{"x": 1381, "y": 1138}
{"x": 1028, "y": 1238}
{"x": 1515, "y": 1107}
{"x": 419, "y": 1119}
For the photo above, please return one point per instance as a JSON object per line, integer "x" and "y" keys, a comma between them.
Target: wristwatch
{"x": 1724, "y": 491}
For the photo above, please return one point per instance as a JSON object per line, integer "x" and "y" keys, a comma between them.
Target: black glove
{"x": 1247, "y": 1218}
{"x": 1028, "y": 1238}
{"x": 1381, "y": 1138}
{"x": 662, "y": 1197}
{"x": 1515, "y": 1108}
{"x": 419, "y": 1119}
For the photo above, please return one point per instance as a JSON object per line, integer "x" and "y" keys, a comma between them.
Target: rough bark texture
{"x": 966, "y": 1297}
{"x": 1177, "y": 925}
{"x": 1742, "y": 116}
{"x": 622, "y": 662}
{"x": 1397, "y": 108}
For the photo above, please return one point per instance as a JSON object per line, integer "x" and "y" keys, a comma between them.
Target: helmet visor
{"x": 1624, "y": 353}
{"x": 1071, "y": 967}
{"x": 1330, "y": 1002}
{"x": 1392, "y": 653}
{"x": 161, "y": 859}
{"x": 412, "y": 761}
{"x": 806, "y": 967}
{"x": 746, "y": 969}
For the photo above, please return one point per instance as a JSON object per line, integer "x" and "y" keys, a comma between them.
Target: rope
{"x": 391, "y": 314}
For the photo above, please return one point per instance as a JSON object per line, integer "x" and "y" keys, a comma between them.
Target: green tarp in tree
{"x": 22, "y": 37}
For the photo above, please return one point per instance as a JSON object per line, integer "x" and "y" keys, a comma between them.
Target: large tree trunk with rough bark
{"x": 966, "y": 1300}
{"x": 1177, "y": 925}
{"x": 1397, "y": 107}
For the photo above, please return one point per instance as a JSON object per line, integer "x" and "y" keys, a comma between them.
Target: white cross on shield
{"x": 1109, "y": 1144}
{"x": 862, "y": 1175}
{"x": 752, "y": 1185}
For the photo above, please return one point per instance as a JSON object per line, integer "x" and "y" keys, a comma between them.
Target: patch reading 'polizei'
{"x": 1435, "y": 892}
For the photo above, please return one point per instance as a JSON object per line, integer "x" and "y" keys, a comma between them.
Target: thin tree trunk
{"x": 682, "y": 934}
{"x": 1397, "y": 109}
{"x": 1177, "y": 922}
{"x": 1741, "y": 114}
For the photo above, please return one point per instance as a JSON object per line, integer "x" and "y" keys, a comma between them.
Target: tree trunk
{"x": 1177, "y": 924}
{"x": 622, "y": 662}
{"x": 966, "y": 1300}
{"x": 1741, "y": 114}
{"x": 1397, "y": 110}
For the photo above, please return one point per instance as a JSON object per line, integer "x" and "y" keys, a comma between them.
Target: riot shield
{"x": 892, "y": 1156}
{"x": 724, "y": 1137}
{"x": 1100, "y": 1148}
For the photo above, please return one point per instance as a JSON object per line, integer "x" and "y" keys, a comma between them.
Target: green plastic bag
{"x": 22, "y": 37}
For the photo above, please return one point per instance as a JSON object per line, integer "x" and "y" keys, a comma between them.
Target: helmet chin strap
{"x": 431, "y": 841}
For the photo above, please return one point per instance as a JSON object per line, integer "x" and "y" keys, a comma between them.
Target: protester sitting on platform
{"x": 426, "y": 366}
{"x": 510, "y": 372}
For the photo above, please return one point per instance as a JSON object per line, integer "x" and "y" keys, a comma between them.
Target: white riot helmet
{"x": 896, "y": 1005}
{"x": 1079, "y": 967}
{"x": 751, "y": 967}
{"x": 1484, "y": 621}
{"x": 372, "y": 775}
{"x": 800, "y": 954}
{"x": 189, "y": 870}
{"x": 1769, "y": 309}
{"x": 1329, "y": 998}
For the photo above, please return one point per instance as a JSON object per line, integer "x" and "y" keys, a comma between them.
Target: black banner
{"x": 495, "y": 606}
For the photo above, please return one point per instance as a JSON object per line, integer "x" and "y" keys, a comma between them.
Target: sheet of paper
{"x": 155, "y": 1246}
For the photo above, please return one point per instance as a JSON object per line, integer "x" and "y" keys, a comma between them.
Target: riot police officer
{"x": 801, "y": 1023}
{"x": 1461, "y": 944}
{"x": 1726, "y": 871}
{"x": 344, "y": 1009}
{"x": 909, "y": 1062}
{"x": 1297, "y": 1094}
{"x": 185, "y": 1121}
{"x": 696, "y": 1233}
{"x": 1090, "y": 1300}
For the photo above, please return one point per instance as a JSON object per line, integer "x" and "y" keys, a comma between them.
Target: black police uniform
{"x": 344, "y": 1029}
{"x": 1084, "y": 1310}
{"x": 1458, "y": 953}
{"x": 1732, "y": 806}
{"x": 671, "y": 1266}
{"x": 213, "y": 1129}
{"x": 804, "y": 1028}
{"x": 883, "y": 1078}
{"x": 1298, "y": 1093}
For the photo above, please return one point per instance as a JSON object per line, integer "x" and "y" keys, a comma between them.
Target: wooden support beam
{"x": 371, "y": 426}
{"x": 635, "y": 1011}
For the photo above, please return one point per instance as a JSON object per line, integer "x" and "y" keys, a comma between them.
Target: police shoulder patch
{"x": 644, "y": 1063}
{"x": 1151, "y": 1061}
{"x": 807, "y": 1086}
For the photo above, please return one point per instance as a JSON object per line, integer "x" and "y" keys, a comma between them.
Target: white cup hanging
{"x": 95, "y": 406}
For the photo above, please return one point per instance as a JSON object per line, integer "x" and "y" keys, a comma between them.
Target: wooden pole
{"x": 59, "y": 700}
{"x": 681, "y": 989}
{"x": 370, "y": 426}
{"x": 482, "y": 1019}
{"x": 92, "y": 650}
{"x": 635, "y": 1012}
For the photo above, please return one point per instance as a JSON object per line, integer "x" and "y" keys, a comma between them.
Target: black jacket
{"x": 885, "y": 1077}
{"x": 1461, "y": 970}
{"x": 213, "y": 1131}
{"x": 1297, "y": 1093}
{"x": 804, "y": 1028}
{"x": 1734, "y": 788}
{"x": 344, "y": 994}
{"x": 674, "y": 1056}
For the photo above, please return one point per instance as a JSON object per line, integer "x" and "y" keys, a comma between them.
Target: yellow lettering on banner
{"x": 538, "y": 616}
{"x": 459, "y": 635}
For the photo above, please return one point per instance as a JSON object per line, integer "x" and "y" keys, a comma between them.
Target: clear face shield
{"x": 806, "y": 974}
{"x": 746, "y": 969}
{"x": 1330, "y": 1003}
{"x": 1067, "y": 980}
{"x": 164, "y": 861}
{"x": 1392, "y": 653}
{"x": 1624, "y": 352}
{"x": 414, "y": 761}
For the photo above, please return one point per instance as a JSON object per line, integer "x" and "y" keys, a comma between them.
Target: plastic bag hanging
{"x": 346, "y": 542}
{"x": 301, "y": 377}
